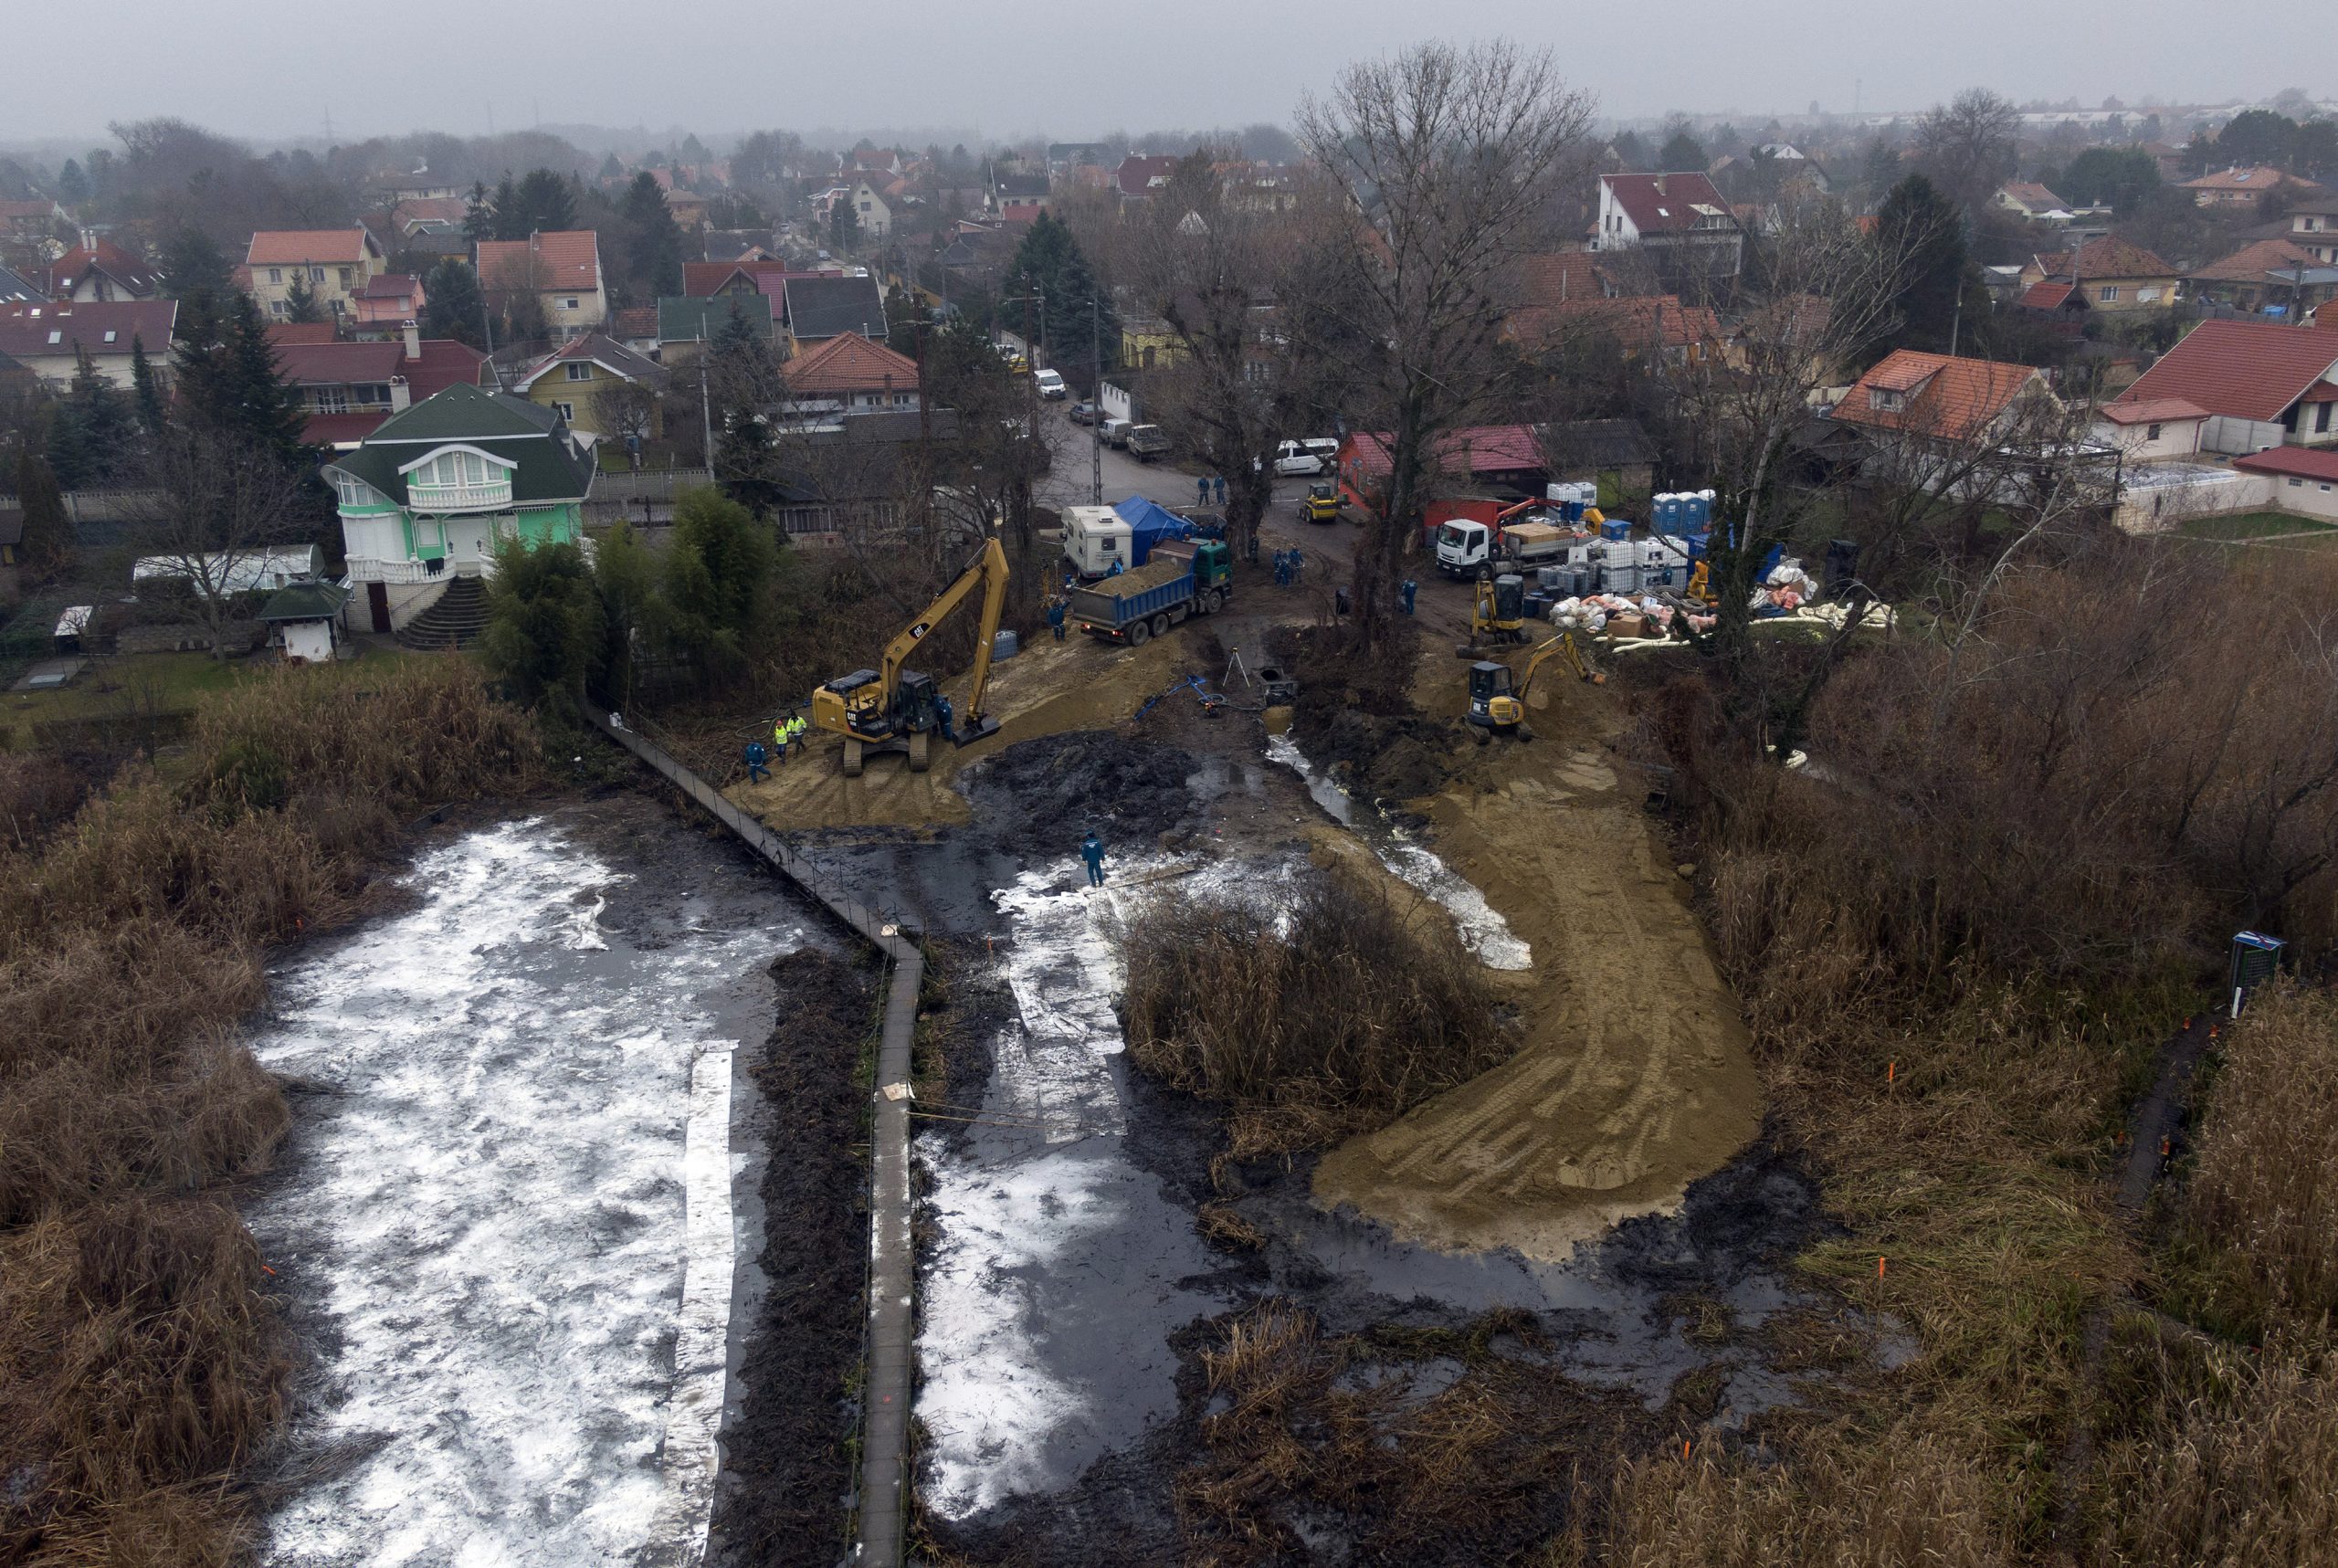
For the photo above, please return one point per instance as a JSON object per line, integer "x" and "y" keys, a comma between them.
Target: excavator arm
{"x": 1562, "y": 647}
{"x": 989, "y": 572}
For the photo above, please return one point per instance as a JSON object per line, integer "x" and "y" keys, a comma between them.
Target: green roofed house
{"x": 687, "y": 323}
{"x": 428, "y": 496}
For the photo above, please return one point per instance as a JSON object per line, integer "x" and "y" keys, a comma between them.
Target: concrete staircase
{"x": 453, "y": 620}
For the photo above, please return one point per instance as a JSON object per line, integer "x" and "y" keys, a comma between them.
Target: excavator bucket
{"x": 980, "y": 728}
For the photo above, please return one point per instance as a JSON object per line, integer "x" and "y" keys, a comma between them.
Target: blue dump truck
{"x": 1182, "y": 577}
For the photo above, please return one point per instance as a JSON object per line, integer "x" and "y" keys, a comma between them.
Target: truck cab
{"x": 1463, "y": 546}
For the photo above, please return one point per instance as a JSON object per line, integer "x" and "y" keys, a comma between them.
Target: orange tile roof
{"x": 2152, "y": 410}
{"x": 1559, "y": 277}
{"x": 2111, "y": 258}
{"x": 304, "y": 247}
{"x": 849, "y": 363}
{"x": 2251, "y": 262}
{"x": 1635, "y": 323}
{"x": 560, "y": 259}
{"x": 2246, "y": 370}
{"x": 1952, "y": 399}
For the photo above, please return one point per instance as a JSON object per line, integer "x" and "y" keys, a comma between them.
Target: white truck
{"x": 1463, "y": 547}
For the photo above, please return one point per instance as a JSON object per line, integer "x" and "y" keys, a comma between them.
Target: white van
{"x": 1307, "y": 459}
{"x": 1115, "y": 432}
{"x": 1050, "y": 385}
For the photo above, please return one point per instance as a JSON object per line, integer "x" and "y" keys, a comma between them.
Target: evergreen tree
{"x": 1682, "y": 154}
{"x": 146, "y": 392}
{"x": 717, "y": 572}
{"x": 740, "y": 365}
{"x": 93, "y": 430}
{"x": 72, "y": 184}
{"x": 478, "y": 214}
{"x": 453, "y": 305}
{"x": 844, "y": 228}
{"x": 611, "y": 169}
{"x": 694, "y": 151}
{"x": 47, "y": 544}
{"x": 194, "y": 271}
{"x": 653, "y": 246}
{"x": 227, "y": 379}
{"x": 1049, "y": 263}
{"x": 545, "y": 630}
{"x": 1921, "y": 230}
{"x": 509, "y": 222}
{"x": 546, "y": 202}
{"x": 301, "y": 300}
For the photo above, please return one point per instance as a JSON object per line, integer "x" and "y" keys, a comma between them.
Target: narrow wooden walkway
{"x": 884, "y": 1445}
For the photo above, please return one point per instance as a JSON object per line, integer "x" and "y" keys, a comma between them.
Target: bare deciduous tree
{"x": 1966, "y": 145}
{"x": 211, "y": 505}
{"x": 1445, "y": 156}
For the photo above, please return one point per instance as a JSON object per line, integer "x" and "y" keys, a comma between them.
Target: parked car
{"x": 1146, "y": 442}
{"x": 1083, "y": 413}
{"x": 1116, "y": 432}
{"x": 1306, "y": 458}
{"x": 1051, "y": 386}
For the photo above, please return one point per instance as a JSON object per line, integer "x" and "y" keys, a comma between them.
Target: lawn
{"x": 2252, "y": 525}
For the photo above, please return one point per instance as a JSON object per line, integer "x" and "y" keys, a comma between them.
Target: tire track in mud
{"x": 1634, "y": 1079}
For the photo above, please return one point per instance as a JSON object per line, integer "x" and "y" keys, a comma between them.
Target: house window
{"x": 2152, "y": 434}
{"x": 328, "y": 399}
{"x": 344, "y": 277}
{"x": 453, "y": 469}
{"x": 372, "y": 394}
{"x": 2107, "y": 293}
{"x": 279, "y": 309}
{"x": 579, "y": 372}
{"x": 316, "y": 274}
{"x": 569, "y": 303}
{"x": 567, "y": 411}
{"x": 275, "y": 275}
{"x": 354, "y": 492}
{"x": 2147, "y": 296}
{"x": 2322, "y": 419}
{"x": 57, "y": 335}
{"x": 1886, "y": 401}
{"x": 2297, "y": 484}
{"x": 111, "y": 335}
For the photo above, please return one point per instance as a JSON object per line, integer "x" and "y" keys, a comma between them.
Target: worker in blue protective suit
{"x": 1115, "y": 571}
{"x": 944, "y": 719}
{"x": 1092, "y": 849}
{"x": 1218, "y": 482}
{"x": 1056, "y": 617}
{"x": 1201, "y": 491}
{"x": 756, "y": 757}
{"x": 1405, "y": 591}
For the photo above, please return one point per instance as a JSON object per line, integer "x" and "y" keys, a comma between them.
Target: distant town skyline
{"x": 1004, "y": 72}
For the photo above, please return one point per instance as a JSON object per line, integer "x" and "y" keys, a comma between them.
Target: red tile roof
{"x": 1662, "y": 203}
{"x": 1952, "y": 399}
{"x": 2301, "y": 462}
{"x": 2251, "y": 262}
{"x": 68, "y": 270}
{"x": 391, "y": 286}
{"x": 2033, "y": 196}
{"x": 340, "y": 429}
{"x": 303, "y": 246}
{"x": 2242, "y": 179}
{"x": 2246, "y": 370}
{"x": 560, "y": 259}
{"x": 1636, "y": 323}
{"x": 1560, "y": 278}
{"x": 284, "y": 334}
{"x": 701, "y": 279}
{"x": 432, "y": 209}
{"x": 27, "y": 325}
{"x": 1139, "y": 173}
{"x": 849, "y": 363}
{"x": 2111, "y": 259}
{"x": 13, "y": 211}
{"x": 634, "y": 322}
{"x": 2048, "y": 295}
{"x": 1482, "y": 449}
{"x": 2151, "y": 411}
{"x": 337, "y": 364}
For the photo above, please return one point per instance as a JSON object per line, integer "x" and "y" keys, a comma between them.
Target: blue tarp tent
{"x": 1150, "y": 522}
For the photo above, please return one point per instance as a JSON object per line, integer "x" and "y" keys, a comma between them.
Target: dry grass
{"x": 141, "y": 1363}
{"x": 1325, "y": 1012}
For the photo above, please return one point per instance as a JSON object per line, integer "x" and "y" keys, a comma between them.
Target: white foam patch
{"x": 1047, "y": 1300}
{"x": 1481, "y": 927}
{"x": 515, "y": 1214}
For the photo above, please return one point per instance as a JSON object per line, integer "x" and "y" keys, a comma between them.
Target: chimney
{"x": 413, "y": 331}
{"x": 401, "y": 399}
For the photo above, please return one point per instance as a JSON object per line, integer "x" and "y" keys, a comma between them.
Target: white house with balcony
{"x": 425, "y": 498}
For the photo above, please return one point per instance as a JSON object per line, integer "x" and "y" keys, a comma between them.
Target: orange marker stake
{"x": 1878, "y": 1268}
{"x": 1891, "y": 1072}
{"x": 2163, "y": 1147}
{"x": 1684, "y": 1448}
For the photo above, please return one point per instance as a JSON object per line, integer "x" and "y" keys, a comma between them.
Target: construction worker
{"x": 1201, "y": 490}
{"x": 1116, "y": 568}
{"x": 1298, "y": 568}
{"x": 797, "y": 729}
{"x": 1405, "y": 591}
{"x": 779, "y": 733}
{"x": 943, "y": 717}
{"x": 756, "y": 757}
{"x": 1092, "y": 849}
{"x": 1056, "y": 617}
{"x": 1218, "y": 481}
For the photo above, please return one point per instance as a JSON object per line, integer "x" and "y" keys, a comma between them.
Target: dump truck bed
{"x": 1155, "y": 586}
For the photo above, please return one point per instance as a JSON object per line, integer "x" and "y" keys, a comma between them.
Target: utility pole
{"x": 1096, "y": 408}
{"x": 705, "y": 411}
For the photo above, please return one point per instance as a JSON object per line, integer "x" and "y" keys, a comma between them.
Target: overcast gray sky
{"x": 1071, "y": 68}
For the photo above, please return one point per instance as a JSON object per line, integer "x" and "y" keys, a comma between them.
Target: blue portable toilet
{"x": 1702, "y": 510}
{"x": 2256, "y": 958}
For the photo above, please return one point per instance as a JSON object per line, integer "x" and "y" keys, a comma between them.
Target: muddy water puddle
{"x": 505, "y": 1223}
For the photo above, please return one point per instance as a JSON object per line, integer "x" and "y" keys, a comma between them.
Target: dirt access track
{"x": 1633, "y": 1078}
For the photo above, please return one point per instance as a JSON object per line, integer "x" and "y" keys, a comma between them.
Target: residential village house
{"x": 350, "y": 389}
{"x": 2150, "y": 429}
{"x": 388, "y": 302}
{"x": 687, "y": 322}
{"x": 2027, "y": 199}
{"x": 98, "y": 270}
{"x": 1939, "y": 399}
{"x": 44, "y": 338}
{"x": 2313, "y": 228}
{"x": 2241, "y": 186}
{"x": 2304, "y": 478}
{"x": 870, "y": 210}
{"x": 336, "y": 263}
{"x": 849, "y": 374}
{"x": 2263, "y": 384}
{"x": 561, "y": 267}
{"x": 1681, "y": 221}
{"x": 427, "y": 497}
{"x": 2109, "y": 274}
{"x": 2270, "y": 272}
{"x": 586, "y": 382}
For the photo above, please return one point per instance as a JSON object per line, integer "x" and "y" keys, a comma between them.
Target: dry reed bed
{"x": 141, "y": 1364}
{"x": 1310, "y": 1015}
{"x": 1957, "y": 949}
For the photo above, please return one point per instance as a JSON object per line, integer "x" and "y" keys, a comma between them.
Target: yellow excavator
{"x": 894, "y": 709}
{"x": 1498, "y": 700}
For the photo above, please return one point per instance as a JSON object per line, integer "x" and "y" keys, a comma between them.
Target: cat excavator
{"x": 1498, "y": 702}
{"x": 895, "y": 710}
